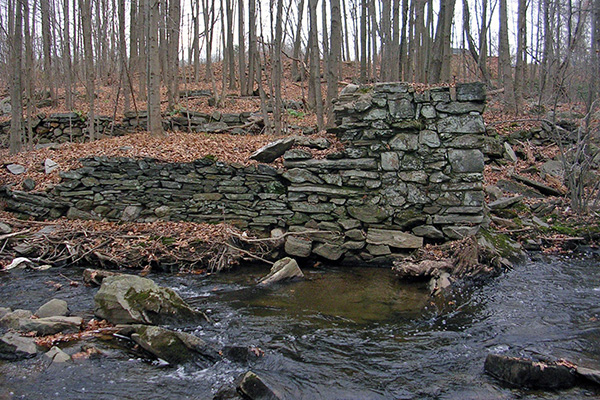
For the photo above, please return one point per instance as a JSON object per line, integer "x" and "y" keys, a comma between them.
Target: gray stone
{"x": 255, "y": 387}
{"x": 368, "y": 213}
{"x": 376, "y": 114}
{"x": 131, "y": 213}
{"x": 405, "y": 142}
{"x": 53, "y": 308}
{"x": 51, "y": 325}
{"x": 327, "y": 164}
{"x": 5, "y": 228}
{"x": 454, "y": 107}
{"x": 428, "y": 231}
{"x": 378, "y": 250}
{"x": 298, "y": 246}
{"x": 300, "y": 175}
{"x": 505, "y": 202}
{"x": 28, "y": 184}
{"x": 401, "y": 108}
{"x": 125, "y": 299}
{"x": 297, "y": 154}
{"x": 4, "y": 311}
{"x": 15, "y": 347}
{"x": 329, "y": 251}
{"x": 473, "y": 91}
{"x": 542, "y": 188}
{"x": 428, "y": 111}
{"x": 528, "y": 373}
{"x": 363, "y": 103}
{"x": 468, "y": 123}
{"x": 514, "y": 187}
{"x": 460, "y": 232}
{"x": 349, "y": 89}
{"x": 466, "y": 160}
{"x": 173, "y": 346}
{"x": 348, "y": 224}
{"x": 75, "y": 213}
{"x": 354, "y": 245}
{"x": 510, "y": 153}
{"x": 50, "y": 166}
{"x": 493, "y": 192}
{"x": 554, "y": 168}
{"x": 162, "y": 211}
{"x": 16, "y": 169}
{"x": 390, "y": 161}
{"x": 283, "y": 270}
{"x": 592, "y": 375}
{"x": 272, "y": 151}
{"x": 429, "y": 138}
{"x": 56, "y": 355}
{"x": 12, "y": 320}
{"x": 398, "y": 239}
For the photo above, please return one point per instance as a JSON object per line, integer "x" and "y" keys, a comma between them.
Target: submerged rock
{"x": 529, "y": 373}
{"x": 15, "y": 347}
{"x": 53, "y": 308}
{"x": 127, "y": 299}
{"x": 173, "y": 346}
{"x": 255, "y": 387}
{"x": 285, "y": 269}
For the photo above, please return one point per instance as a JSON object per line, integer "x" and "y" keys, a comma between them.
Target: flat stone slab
{"x": 398, "y": 239}
{"x": 505, "y": 202}
{"x": 272, "y": 151}
{"x": 542, "y": 188}
{"x": 16, "y": 347}
{"x": 51, "y": 325}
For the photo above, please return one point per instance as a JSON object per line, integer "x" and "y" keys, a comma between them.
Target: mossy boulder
{"x": 173, "y": 346}
{"x": 128, "y": 299}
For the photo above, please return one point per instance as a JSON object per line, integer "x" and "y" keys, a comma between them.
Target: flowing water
{"x": 344, "y": 333}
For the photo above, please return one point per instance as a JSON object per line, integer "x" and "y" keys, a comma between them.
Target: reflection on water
{"x": 343, "y": 333}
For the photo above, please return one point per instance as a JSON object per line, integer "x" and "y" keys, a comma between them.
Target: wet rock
{"x": 329, "y": 251}
{"x": 255, "y": 387}
{"x": 15, "y": 347}
{"x": 13, "y": 319}
{"x": 528, "y": 373}
{"x": 94, "y": 277}
{"x": 439, "y": 283}
{"x": 126, "y": 299}
{"x": 592, "y": 375}
{"x": 272, "y": 151}
{"x": 53, "y": 308}
{"x": 56, "y": 355}
{"x": 16, "y": 169}
{"x": 173, "y": 346}
{"x": 51, "y": 325}
{"x": 241, "y": 354}
{"x": 285, "y": 269}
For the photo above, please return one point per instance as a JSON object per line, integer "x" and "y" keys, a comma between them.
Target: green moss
{"x": 503, "y": 244}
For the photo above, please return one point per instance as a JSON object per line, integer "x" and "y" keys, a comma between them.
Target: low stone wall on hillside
{"x": 411, "y": 172}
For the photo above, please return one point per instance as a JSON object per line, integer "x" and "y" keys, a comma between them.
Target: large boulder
{"x": 128, "y": 299}
{"x": 15, "y": 347}
{"x": 274, "y": 150}
{"x": 285, "y": 269}
{"x": 528, "y": 373}
{"x": 173, "y": 346}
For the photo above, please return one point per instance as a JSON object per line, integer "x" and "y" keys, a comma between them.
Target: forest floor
{"x": 561, "y": 231}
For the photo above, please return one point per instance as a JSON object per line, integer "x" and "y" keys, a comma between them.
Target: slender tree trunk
{"x": 29, "y": 76}
{"x": 297, "y": 75}
{"x": 123, "y": 55}
{"x": 520, "y": 72}
{"x": 230, "y": 48}
{"x": 335, "y": 56}
{"x": 403, "y": 45}
{"x": 363, "y": 41}
{"x": 47, "y": 48}
{"x": 315, "y": 74}
{"x": 173, "y": 26}
{"x": 242, "y": 49}
{"x": 16, "y": 89}
{"x": 252, "y": 47}
{"x": 277, "y": 68}
{"x": 504, "y": 59}
{"x": 154, "y": 115}
{"x": 67, "y": 57}
{"x": 86, "y": 25}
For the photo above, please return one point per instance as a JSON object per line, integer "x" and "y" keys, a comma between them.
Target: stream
{"x": 343, "y": 333}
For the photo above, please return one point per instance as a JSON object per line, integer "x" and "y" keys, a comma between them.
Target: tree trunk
{"x": 154, "y": 115}
{"x": 297, "y": 74}
{"x": 252, "y": 47}
{"x": 335, "y": 50}
{"x": 86, "y": 26}
{"x": 363, "y": 41}
{"x": 67, "y": 57}
{"x": 315, "y": 74}
{"x": 504, "y": 60}
{"x": 47, "y": 48}
{"x": 29, "y": 76}
{"x": 520, "y": 72}
{"x": 230, "y": 48}
{"x": 15, "y": 16}
{"x": 173, "y": 24}
{"x": 277, "y": 68}
{"x": 123, "y": 56}
{"x": 442, "y": 53}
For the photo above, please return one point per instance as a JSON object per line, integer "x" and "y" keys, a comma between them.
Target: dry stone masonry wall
{"x": 411, "y": 172}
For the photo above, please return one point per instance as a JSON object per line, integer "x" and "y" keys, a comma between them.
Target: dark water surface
{"x": 344, "y": 333}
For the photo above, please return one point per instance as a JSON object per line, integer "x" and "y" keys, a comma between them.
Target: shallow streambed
{"x": 344, "y": 333}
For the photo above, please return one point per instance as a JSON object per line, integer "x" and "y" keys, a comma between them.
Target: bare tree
{"x": 152, "y": 54}
{"x": 335, "y": 55}
{"x": 86, "y": 27}
{"x": 315, "y": 71}
{"x": 15, "y": 19}
{"x": 504, "y": 61}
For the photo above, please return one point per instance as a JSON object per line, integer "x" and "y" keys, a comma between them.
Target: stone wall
{"x": 410, "y": 172}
